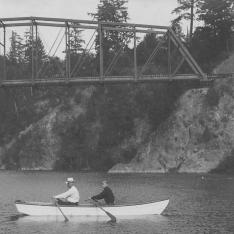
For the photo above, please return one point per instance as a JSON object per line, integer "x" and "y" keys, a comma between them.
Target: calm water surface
{"x": 198, "y": 203}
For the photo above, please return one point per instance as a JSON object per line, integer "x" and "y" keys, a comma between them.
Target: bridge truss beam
{"x": 100, "y": 27}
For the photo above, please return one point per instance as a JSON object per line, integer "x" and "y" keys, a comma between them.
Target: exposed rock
{"x": 198, "y": 137}
{"x": 37, "y": 146}
{"x": 195, "y": 138}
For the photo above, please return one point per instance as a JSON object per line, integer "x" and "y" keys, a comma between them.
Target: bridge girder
{"x": 100, "y": 27}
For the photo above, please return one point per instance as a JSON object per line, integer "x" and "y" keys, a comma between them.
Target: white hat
{"x": 70, "y": 180}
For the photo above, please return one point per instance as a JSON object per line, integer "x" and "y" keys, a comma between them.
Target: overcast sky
{"x": 140, "y": 11}
{"x": 156, "y": 12}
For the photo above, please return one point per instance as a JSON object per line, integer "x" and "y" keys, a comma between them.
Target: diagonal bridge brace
{"x": 186, "y": 55}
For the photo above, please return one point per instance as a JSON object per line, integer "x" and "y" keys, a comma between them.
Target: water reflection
{"x": 16, "y": 217}
{"x": 81, "y": 225}
{"x": 87, "y": 219}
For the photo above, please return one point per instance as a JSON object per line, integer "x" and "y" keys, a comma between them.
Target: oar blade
{"x": 112, "y": 217}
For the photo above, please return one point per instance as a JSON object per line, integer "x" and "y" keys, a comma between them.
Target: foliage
{"x": 217, "y": 18}
{"x": 70, "y": 155}
{"x": 34, "y": 53}
{"x": 16, "y": 56}
{"x": 186, "y": 11}
{"x": 111, "y": 11}
{"x": 16, "y": 53}
{"x": 75, "y": 40}
{"x": 52, "y": 67}
{"x": 83, "y": 64}
{"x": 144, "y": 50}
{"x": 209, "y": 43}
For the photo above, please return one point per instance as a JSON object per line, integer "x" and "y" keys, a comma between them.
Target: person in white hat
{"x": 71, "y": 196}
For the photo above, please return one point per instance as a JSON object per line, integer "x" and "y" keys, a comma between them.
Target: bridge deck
{"x": 98, "y": 80}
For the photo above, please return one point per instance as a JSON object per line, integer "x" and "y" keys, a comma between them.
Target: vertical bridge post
{"x": 135, "y": 56}
{"x": 68, "y": 52}
{"x": 32, "y": 37}
{"x": 169, "y": 55}
{"x": 36, "y": 57}
{"x": 100, "y": 51}
{"x": 4, "y": 52}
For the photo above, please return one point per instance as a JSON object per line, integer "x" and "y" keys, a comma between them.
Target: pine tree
{"x": 34, "y": 48}
{"x": 218, "y": 20}
{"x": 75, "y": 41}
{"x": 15, "y": 56}
{"x": 36, "y": 45}
{"x": 16, "y": 53}
{"x": 211, "y": 42}
{"x": 187, "y": 11}
{"x": 112, "y": 11}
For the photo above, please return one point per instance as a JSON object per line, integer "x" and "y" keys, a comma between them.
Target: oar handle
{"x": 92, "y": 200}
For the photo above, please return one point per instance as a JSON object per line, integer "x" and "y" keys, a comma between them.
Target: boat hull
{"x": 47, "y": 209}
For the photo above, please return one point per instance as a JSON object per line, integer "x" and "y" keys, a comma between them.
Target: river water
{"x": 198, "y": 203}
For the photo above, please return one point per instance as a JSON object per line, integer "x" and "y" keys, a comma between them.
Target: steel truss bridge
{"x": 174, "y": 46}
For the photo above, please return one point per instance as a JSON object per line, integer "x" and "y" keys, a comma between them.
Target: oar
{"x": 65, "y": 217}
{"x": 112, "y": 217}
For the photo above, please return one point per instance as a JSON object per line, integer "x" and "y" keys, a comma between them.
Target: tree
{"x": 34, "y": 48}
{"x": 186, "y": 11}
{"x": 16, "y": 53}
{"x": 112, "y": 11}
{"x": 217, "y": 17}
{"x": 210, "y": 43}
{"x": 78, "y": 54}
{"x": 15, "y": 57}
{"x": 159, "y": 62}
{"x": 75, "y": 40}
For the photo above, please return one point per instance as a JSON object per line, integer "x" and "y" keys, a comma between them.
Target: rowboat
{"x": 90, "y": 210}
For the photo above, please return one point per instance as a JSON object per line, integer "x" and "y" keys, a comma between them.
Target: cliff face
{"x": 195, "y": 138}
{"x": 82, "y": 128}
{"x": 198, "y": 137}
{"x": 38, "y": 145}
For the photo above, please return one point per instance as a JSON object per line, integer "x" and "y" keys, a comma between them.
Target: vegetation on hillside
{"x": 213, "y": 41}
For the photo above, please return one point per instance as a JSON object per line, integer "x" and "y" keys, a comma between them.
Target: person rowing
{"x": 71, "y": 196}
{"x": 106, "y": 194}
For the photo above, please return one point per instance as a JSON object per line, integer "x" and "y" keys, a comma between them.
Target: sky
{"x": 154, "y": 12}
{"x": 140, "y": 11}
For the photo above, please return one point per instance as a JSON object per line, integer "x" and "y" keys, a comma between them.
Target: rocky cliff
{"x": 198, "y": 137}
{"x": 81, "y": 128}
{"x": 38, "y": 146}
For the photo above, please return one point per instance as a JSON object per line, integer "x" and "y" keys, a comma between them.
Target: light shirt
{"x": 72, "y": 195}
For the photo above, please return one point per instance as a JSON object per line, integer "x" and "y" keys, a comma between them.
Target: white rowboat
{"x": 49, "y": 209}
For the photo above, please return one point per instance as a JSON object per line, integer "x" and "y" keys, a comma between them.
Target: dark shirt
{"x": 107, "y": 195}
